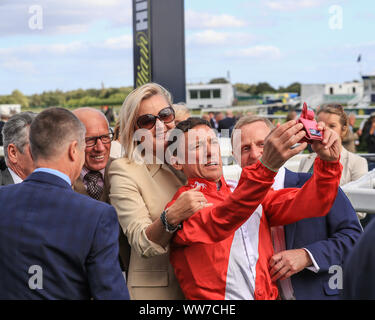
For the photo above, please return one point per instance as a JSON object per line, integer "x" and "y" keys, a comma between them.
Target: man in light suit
{"x": 308, "y": 248}
{"x": 54, "y": 242}
{"x": 17, "y": 155}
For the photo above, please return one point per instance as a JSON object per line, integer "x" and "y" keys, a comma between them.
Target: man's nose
{"x": 99, "y": 145}
{"x": 255, "y": 153}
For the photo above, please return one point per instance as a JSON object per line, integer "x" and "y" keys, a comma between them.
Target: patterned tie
{"x": 93, "y": 189}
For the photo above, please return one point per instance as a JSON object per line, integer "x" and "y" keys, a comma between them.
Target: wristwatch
{"x": 169, "y": 227}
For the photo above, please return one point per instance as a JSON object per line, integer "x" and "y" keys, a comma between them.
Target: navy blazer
{"x": 359, "y": 278}
{"x": 329, "y": 239}
{"x": 72, "y": 238}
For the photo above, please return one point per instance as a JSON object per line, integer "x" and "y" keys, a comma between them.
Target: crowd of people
{"x": 144, "y": 212}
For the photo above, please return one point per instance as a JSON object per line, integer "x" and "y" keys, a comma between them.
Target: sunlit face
{"x": 252, "y": 143}
{"x": 333, "y": 122}
{"x": 202, "y": 154}
{"x": 154, "y": 105}
{"x": 96, "y": 157}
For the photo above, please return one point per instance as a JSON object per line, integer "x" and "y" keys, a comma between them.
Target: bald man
{"x": 93, "y": 180}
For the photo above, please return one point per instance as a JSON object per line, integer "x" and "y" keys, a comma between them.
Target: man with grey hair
{"x": 56, "y": 243}
{"x": 16, "y": 148}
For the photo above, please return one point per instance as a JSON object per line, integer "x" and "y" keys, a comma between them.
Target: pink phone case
{"x": 310, "y": 126}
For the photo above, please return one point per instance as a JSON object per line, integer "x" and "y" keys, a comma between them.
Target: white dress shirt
{"x": 278, "y": 237}
{"x": 15, "y": 177}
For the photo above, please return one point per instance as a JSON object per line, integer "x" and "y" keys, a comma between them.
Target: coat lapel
{"x": 6, "y": 178}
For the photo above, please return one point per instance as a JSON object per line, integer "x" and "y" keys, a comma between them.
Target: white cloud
{"x": 123, "y": 42}
{"x": 13, "y": 64}
{"x": 259, "y": 51}
{"x": 196, "y": 20}
{"x": 292, "y": 5}
{"x": 64, "y": 17}
{"x": 115, "y": 43}
{"x": 212, "y": 37}
{"x": 72, "y": 28}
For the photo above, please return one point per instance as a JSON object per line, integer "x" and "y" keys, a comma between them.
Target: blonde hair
{"x": 181, "y": 112}
{"x": 129, "y": 113}
{"x": 338, "y": 110}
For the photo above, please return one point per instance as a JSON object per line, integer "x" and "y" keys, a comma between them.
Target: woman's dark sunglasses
{"x": 147, "y": 121}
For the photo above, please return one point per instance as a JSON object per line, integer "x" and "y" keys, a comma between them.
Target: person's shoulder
{"x": 125, "y": 167}
{"x": 125, "y": 163}
{"x": 357, "y": 159}
{"x": 86, "y": 206}
{"x": 305, "y": 160}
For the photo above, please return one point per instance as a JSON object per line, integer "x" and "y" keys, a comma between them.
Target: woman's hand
{"x": 186, "y": 204}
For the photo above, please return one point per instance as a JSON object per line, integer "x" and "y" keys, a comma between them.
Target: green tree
{"x": 264, "y": 87}
{"x": 294, "y": 87}
{"x": 35, "y": 101}
{"x": 19, "y": 98}
{"x": 219, "y": 80}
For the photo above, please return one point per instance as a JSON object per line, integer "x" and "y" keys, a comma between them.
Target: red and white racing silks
{"x": 222, "y": 251}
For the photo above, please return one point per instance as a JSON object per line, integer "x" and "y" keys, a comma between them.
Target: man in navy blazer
{"x": 54, "y": 242}
{"x": 308, "y": 250}
{"x": 328, "y": 239}
{"x": 359, "y": 278}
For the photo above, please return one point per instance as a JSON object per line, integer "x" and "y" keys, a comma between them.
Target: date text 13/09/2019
{"x": 214, "y": 309}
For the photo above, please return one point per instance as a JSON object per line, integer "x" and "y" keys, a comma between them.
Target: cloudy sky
{"x": 83, "y": 43}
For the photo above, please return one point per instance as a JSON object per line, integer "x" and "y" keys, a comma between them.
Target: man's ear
{"x": 73, "y": 151}
{"x": 12, "y": 153}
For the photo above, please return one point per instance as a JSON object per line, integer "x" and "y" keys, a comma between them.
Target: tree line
{"x": 261, "y": 87}
{"x": 116, "y": 96}
{"x": 73, "y": 98}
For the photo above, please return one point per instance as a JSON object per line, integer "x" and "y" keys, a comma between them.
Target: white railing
{"x": 361, "y": 193}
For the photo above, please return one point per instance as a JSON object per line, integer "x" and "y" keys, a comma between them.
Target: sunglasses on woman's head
{"x": 147, "y": 121}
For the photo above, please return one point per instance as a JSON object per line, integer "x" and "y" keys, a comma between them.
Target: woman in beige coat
{"x": 141, "y": 185}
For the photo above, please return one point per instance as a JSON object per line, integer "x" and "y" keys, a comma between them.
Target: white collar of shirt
{"x": 84, "y": 171}
{"x": 15, "y": 176}
{"x": 56, "y": 173}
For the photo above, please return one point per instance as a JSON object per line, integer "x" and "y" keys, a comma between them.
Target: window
{"x": 353, "y": 89}
{"x": 193, "y": 94}
{"x": 216, "y": 93}
{"x": 205, "y": 94}
{"x": 330, "y": 90}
